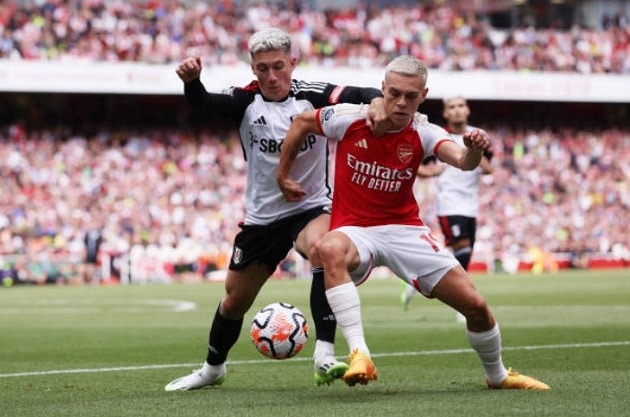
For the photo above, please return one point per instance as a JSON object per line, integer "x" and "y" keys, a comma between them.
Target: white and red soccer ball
{"x": 279, "y": 331}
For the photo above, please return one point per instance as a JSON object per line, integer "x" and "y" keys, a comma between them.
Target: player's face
{"x": 456, "y": 111}
{"x": 273, "y": 70}
{"x": 402, "y": 96}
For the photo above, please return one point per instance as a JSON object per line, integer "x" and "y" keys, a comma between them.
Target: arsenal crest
{"x": 404, "y": 152}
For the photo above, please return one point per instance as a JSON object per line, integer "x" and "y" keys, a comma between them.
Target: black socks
{"x": 223, "y": 334}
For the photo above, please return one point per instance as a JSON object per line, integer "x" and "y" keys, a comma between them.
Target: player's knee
{"x": 234, "y": 307}
{"x": 330, "y": 253}
{"x": 308, "y": 239}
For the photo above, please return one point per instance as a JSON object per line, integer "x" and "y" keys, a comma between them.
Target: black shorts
{"x": 456, "y": 228}
{"x": 271, "y": 243}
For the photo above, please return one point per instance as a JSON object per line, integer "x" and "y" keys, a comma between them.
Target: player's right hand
{"x": 291, "y": 190}
{"x": 189, "y": 69}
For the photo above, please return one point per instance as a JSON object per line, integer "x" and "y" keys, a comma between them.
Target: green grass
{"x": 109, "y": 351}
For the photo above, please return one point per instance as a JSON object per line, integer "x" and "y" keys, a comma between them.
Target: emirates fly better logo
{"x": 379, "y": 177}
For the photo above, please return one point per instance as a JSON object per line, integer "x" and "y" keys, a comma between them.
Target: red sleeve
{"x": 320, "y": 131}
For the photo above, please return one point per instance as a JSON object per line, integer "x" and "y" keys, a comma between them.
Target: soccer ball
{"x": 279, "y": 331}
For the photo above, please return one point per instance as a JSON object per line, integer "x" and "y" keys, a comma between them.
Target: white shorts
{"x": 409, "y": 251}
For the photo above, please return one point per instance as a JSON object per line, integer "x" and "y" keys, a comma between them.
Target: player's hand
{"x": 477, "y": 139}
{"x": 189, "y": 69}
{"x": 291, "y": 190}
{"x": 376, "y": 118}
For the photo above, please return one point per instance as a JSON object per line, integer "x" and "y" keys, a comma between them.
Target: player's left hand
{"x": 291, "y": 190}
{"x": 477, "y": 139}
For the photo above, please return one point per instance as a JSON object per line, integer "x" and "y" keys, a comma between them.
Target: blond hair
{"x": 407, "y": 65}
{"x": 269, "y": 39}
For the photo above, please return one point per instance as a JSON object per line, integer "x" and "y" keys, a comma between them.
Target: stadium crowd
{"x": 162, "y": 204}
{"x": 168, "y": 202}
{"x": 164, "y": 32}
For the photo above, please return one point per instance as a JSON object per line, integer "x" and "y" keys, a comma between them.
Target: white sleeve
{"x": 335, "y": 120}
{"x": 430, "y": 134}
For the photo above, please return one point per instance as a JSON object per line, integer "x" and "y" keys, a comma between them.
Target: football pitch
{"x": 109, "y": 351}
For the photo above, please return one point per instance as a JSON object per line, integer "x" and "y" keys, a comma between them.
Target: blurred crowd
{"x": 165, "y": 204}
{"x": 565, "y": 192}
{"x": 161, "y": 204}
{"x": 160, "y": 31}
{"x": 163, "y": 198}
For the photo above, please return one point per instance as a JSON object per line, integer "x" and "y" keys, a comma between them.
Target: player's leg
{"x": 257, "y": 252}
{"x": 407, "y": 256}
{"x": 461, "y": 241}
{"x": 241, "y": 289}
{"x": 327, "y": 367}
{"x": 457, "y": 290}
{"x": 459, "y": 234}
{"x": 339, "y": 255}
{"x": 462, "y": 250}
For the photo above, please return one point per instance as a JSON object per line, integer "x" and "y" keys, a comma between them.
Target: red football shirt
{"x": 374, "y": 175}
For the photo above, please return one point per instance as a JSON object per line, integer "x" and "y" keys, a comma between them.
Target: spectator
{"x": 166, "y": 32}
{"x": 562, "y": 191}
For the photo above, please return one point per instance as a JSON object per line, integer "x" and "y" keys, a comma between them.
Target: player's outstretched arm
{"x": 301, "y": 125}
{"x": 465, "y": 158}
{"x": 213, "y": 104}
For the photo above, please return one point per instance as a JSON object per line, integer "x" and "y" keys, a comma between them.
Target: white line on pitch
{"x": 67, "y": 306}
{"x": 257, "y": 361}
